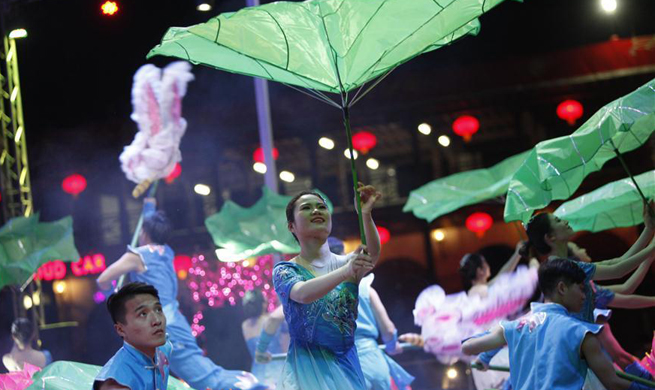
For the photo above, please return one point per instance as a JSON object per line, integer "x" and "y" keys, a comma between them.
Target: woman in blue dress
{"x": 319, "y": 294}
{"x": 152, "y": 263}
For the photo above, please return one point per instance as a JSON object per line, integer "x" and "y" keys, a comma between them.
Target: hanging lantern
{"x": 182, "y": 263}
{"x": 465, "y": 126}
{"x": 74, "y": 184}
{"x": 364, "y": 141}
{"x": 175, "y": 173}
{"x": 384, "y": 234}
{"x": 479, "y": 223}
{"x": 258, "y": 156}
{"x": 570, "y": 111}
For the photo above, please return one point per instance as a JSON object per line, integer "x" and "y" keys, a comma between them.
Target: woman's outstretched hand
{"x": 368, "y": 195}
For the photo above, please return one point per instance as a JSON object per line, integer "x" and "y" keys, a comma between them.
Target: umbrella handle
{"x": 137, "y": 231}
{"x": 621, "y": 374}
{"x": 358, "y": 200}
{"x": 651, "y": 212}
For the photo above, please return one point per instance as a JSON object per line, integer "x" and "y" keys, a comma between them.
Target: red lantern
{"x": 479, "y": 223}
{"x": 465, "y": 126}
{"x": 364, "y": 141}
{"x": 74, "y": 184}
{"x": 258, "y": 156}
{"x": 570, "y": 111}
{"x": 182, "y": 263}
{"x": 175, "y": 173}
{"x": 384, "y": 234}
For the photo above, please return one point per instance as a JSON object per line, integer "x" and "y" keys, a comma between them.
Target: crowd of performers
{"x": 331, "y": 318}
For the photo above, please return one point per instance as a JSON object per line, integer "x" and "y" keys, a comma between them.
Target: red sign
{"x": 87, "y": 265}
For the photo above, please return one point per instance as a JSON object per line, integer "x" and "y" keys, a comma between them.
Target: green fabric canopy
{"x": 447, "y": 194}
{"x": 65, "y": 375}
{"x": 325, "y": 45}
{"x": 254, "y": 231}
{"x": 616, "y": 204}
{"x": 555, "y": 168}
{"x": 26, "y": 244}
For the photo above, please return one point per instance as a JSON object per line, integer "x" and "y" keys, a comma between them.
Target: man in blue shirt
{"x": 549, "y": 349}
{"x": 142, "y": 363}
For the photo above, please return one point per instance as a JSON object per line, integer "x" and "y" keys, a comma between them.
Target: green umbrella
{"x": 322, "y": 46}
{"x": 447, "y": 194}
{"x": 245, "y": 232}
{"x": 26, "y": 244}
{"x": 65, "y": 375}
{"x": 555, "y": 168}
{"x": 616, "y": 204}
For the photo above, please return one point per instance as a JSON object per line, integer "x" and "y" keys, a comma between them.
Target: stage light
{"x": 608, "y": 6}
{"x": 36, "y": 298}
{"x": 259, "y": 167}
{"x": 424, "y": 128}
{"x": 27, "y": 302}
{"x": 444, "y": 141}
{"x": 326, "y": 143}
{"x": 372, "y": 163}
{"x": 204, "y": 7}
{"x": 109, "y": 8}
{"x": 287, "y": 176}
{"x": 451, "y": 373}
{"x": 18, "y": 33}
{"x": 202, "y": 189}
{"x": 59, "y": 286}
{"x": 347, "y": 154}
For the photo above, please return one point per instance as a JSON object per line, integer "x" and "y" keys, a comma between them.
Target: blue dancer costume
{"x": 377, "y": 366}
{"x": 187, "y": 360}
{"x": 132, "y": 368}
{"x": 544, "y": 349}
{"x": 322, "y": 353}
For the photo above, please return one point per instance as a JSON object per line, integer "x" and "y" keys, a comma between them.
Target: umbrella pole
{"x": 627, "y": 170}
{"x": 358, "y": 201}
{"x": 620, "y": 374}
{"x": 137, "y": 231}
{"x": 520, "y": 230}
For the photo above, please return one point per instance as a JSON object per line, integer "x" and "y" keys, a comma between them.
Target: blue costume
{"x": 187, "y": 360}
{"x": 322, "y": 353}
{"x": 378, "y": 367}
{"x": 268, "y": 373}
{"x": 132, "y": 368}
{"x": 544, "y": 349}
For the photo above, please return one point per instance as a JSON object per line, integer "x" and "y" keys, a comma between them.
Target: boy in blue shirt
{"x": 549, "y": 349}
{"x": 142, "y": 363}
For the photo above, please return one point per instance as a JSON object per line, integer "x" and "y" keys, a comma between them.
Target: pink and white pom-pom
{"x": 157, "y": 103}
{"x": 446, "y": 320}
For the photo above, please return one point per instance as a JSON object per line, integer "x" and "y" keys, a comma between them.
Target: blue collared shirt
{"x": 545, "y": 348}
{"x": 133, "y": 369}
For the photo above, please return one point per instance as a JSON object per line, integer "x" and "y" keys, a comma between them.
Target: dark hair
{"x": 336, "y": 245}
{"x": 117, "y": 300}
{"x": 158, "y": 227}
{"x": 23, "y": 330}
{"x": 557, "y": 270}
{"x": 468, "y": 268}
{"x": 537, "y": 228}
{"x": 292, "y": 204}
{"x": 253, "y": 301}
